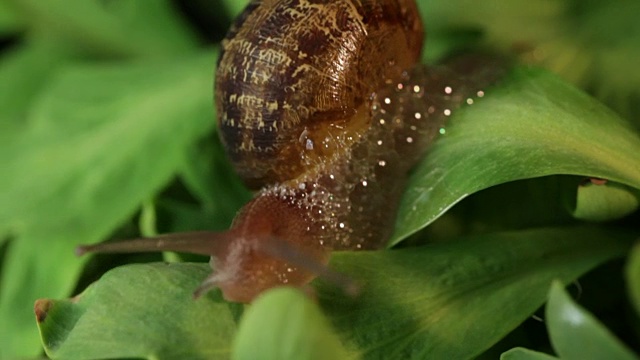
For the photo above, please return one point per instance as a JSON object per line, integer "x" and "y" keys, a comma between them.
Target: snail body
{"x": 317, "y": 109}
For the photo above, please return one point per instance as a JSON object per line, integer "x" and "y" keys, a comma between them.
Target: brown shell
{"x": 299, "y": 67}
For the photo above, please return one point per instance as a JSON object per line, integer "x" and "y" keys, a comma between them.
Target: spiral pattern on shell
{"x": 293, "y": 70}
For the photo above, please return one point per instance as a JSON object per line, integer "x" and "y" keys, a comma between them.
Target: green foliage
{"x": 139, "y": 311}
{"x": 533, "y": 124}
{"x": 414, "y": 302}
{"x": 105, "y": 111}
{"x": 113, "y": 120}
{"x": 286, "y": 324}
{"x": 575, "y": 334}
{"x": 590, "y": 43}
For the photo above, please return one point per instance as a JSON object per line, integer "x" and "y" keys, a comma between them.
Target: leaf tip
{"x": 41, "y": 309}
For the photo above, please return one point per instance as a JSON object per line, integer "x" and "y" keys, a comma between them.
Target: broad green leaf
{"x": 605, "y": 202}
{"x": 415, "y": 302}
{"x": 24, "y": 71}
{"x": 143, "y": 311}
{"x": 420, "y": 302}
{"x": 525, "y": 354}
{"x": 120, "y": 27}
{"x": 633, "y": 277}
{"x": 575, "y": 334}
{"x": 99, "y": 141}
{"x": 531, "y": 124}
{"x": 284, "y": 324}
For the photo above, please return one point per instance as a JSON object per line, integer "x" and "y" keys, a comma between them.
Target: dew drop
{"x": 470, "y": 101}
{"x": 409, "y": 139}
{"x": 448, "y": 90}
{"x": 387, "y": 101}
{"x": 480, "y": 93}
{"x": 417, "y": 115}
{"x": 382, "y": 163}
{"x": 447, "y": 112}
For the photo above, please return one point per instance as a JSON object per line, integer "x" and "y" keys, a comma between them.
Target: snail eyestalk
{"x": 197, "y": 242}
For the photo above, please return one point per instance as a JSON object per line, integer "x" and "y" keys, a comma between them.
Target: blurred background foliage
{"x": 107, "y": 131}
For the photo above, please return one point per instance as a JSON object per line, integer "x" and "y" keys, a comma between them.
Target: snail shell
{"x": 318, "y": 110}
{"x": 292, "y": 71}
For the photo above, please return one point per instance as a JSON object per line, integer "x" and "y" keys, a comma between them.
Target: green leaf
{"x": 144, "y": 311}
{"x": 120, "y": 27}
{"x": 633, "y": 277}
{"x": 415, "y": 302}
{"x": 99, "y": 141}
{"x": 532, "y": 124}
{"x": 604, "y": 202}
{"x": 24, "y": 71}
{"x": 525, "y": 354}
{"x": 576, "y": 334}
{"x": 420, "y": 302}
{"x": 284, "y": 324}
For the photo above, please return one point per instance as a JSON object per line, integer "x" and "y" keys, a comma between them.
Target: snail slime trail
{"x": 323, "y": 109}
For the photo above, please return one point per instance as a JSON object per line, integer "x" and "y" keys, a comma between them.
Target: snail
{"x": 322, "y": 109}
